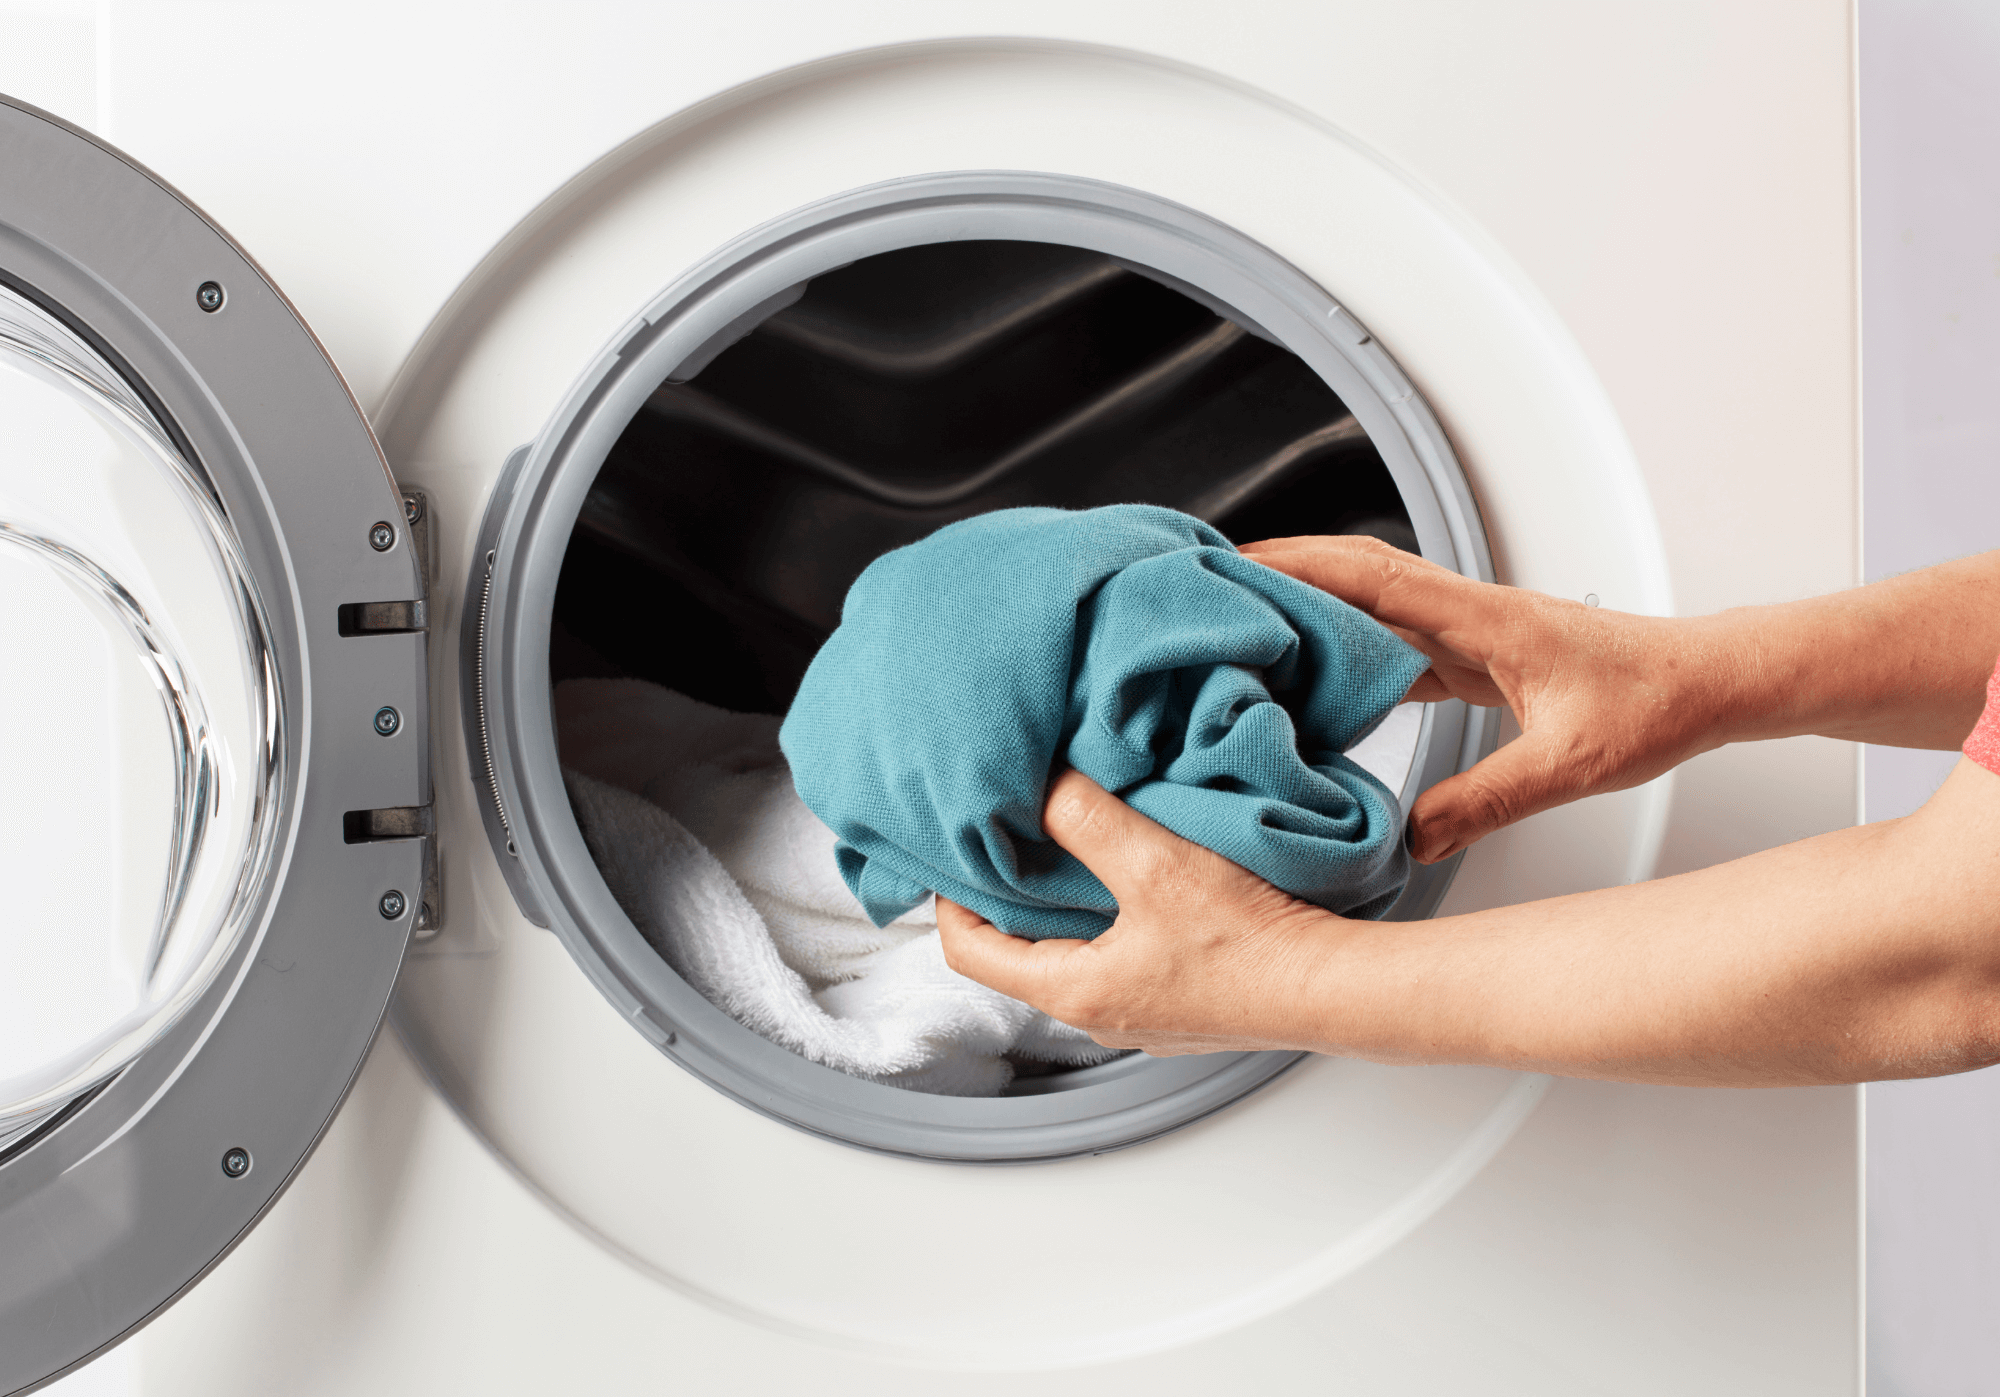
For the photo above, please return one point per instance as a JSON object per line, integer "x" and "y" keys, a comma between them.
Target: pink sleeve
{"x": 1984, "y": 744}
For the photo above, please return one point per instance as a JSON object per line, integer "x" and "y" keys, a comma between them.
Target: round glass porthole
{"x": 140, "y": 762}
{"x": 657, "y": 570}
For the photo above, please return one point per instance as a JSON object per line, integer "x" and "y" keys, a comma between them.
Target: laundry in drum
{"x": 1131, "y": 642}
{"x": 689, "y": 813}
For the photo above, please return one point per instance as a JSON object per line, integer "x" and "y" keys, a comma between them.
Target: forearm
{"x": 1866, "y": 953}
{"x": 1903, "y": 662}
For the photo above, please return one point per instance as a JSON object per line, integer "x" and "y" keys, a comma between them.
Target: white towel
{"x": 690, "y": 813}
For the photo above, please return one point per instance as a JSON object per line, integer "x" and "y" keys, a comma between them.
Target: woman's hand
{"x": 1857, "y": 955}
{"x": 1205, "y": 956}
{"x": 1605, "y": 700}
{"x": 1853, "y": 956}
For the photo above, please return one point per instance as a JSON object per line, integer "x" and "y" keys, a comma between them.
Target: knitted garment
{"x": 1131, "y": 642}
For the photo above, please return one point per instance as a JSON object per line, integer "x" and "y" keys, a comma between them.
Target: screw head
{"x": 413, "y": 509}
{"x": 382, "y": 536}
{"x": 387, "y": 720}
{"x": 236, "y": 1161}
{"x": 209, "y": 296}
{"x": 392, "y": 905}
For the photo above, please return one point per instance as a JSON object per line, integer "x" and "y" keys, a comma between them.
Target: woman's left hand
{"x": 1204, "y": 957}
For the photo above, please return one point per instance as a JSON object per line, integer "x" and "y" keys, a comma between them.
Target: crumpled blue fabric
{"x": 1131, "y": 642}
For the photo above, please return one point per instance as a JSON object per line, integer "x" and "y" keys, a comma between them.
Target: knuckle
{"x": 1097, "y": 819}
{"x": 1489, "y": 804}
{"x": 1399, "y": 575}
{"x": 1389, "y": 565}
{"x": 1066, "y": 810}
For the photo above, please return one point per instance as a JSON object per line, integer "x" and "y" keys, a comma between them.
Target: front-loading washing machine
{"x": 668, "y": 321}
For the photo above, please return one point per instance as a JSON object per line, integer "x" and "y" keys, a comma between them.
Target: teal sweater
{"x": 1131, "y": 642}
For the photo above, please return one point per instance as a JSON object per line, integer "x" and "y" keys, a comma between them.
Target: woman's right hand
{"x": 1606, "y": 700}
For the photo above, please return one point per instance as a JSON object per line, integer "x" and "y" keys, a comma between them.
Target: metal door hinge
{"x": 417, "y": 519}
{"x": 402, "y": 618}
{"x": 405, "y": 822}
{"x": 384, "y": 617}
{"x": 399, "y": 617}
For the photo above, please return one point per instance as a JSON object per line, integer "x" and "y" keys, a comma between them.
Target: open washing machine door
{"x": 216, "y": 824}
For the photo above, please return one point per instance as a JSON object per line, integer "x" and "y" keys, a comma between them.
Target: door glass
{"x": 139, "y": 752}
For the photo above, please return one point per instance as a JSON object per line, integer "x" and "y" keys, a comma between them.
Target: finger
{"x": 1331, "y": 543}
{"x": 1523, "y": 778}
{"x": 1398, "y": 589}
{"x": 1306, "y": 543}
{"x": 1018, "y": 968}
{"x": 1428, "y": 689}
{"x": 1129, "y": 853}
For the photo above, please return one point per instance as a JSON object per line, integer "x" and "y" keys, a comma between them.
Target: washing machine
{"x": 653, "y": 324}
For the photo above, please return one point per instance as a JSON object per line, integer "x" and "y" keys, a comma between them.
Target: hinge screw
{"x": 209, "y": 296}
{"x": 236, "y": 1162}
{"x": 382, "y": 536}
{"x": 392, "y": 905}
{"x": 413, "y": 509}
{"x": 387, "y": 720}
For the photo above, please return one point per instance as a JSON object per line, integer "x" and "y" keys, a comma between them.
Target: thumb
{"x": 1521, "y": 779}
{"x": 1024, "y": 970}
{"x": 1128, "y": 852}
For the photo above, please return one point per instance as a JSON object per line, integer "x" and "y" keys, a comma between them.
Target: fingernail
{"x": 1430, "y": 853}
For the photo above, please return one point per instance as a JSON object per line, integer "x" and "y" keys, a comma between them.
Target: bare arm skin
{"x": 1859, "y": 955}
{"x": 1608, "y": 700}
{"x": 1863, "y": 954}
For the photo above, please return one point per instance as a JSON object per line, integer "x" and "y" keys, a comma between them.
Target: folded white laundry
{"x": 689, "y": 812}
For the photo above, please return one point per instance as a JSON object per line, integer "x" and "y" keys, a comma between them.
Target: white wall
{"x": 49, "y": 56}
{"x": 1930, "y": 195}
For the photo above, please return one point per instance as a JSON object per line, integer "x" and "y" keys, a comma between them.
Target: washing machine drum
{"x": 915, "y": 388}
{"x": 212, "y": 709}
{"x": 841, "y": 382}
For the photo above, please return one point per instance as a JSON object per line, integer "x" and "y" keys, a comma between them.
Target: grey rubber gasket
{"x": 120, "y": 1202}
{"x": 505, "y": 636}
